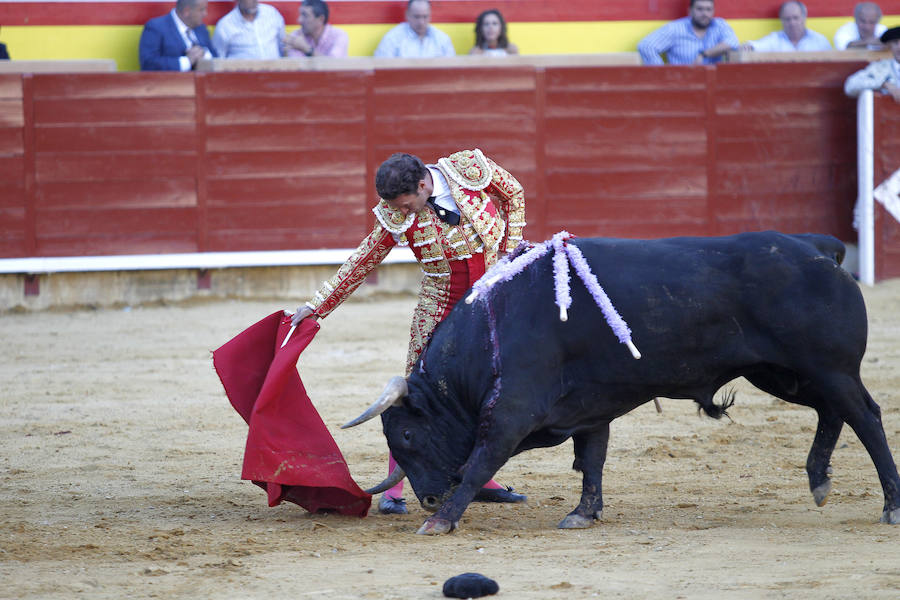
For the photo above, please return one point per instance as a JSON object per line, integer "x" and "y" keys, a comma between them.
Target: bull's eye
{"x": 407, "y": 435}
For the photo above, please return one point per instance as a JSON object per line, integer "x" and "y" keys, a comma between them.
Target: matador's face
{"x": 413, "y": 202}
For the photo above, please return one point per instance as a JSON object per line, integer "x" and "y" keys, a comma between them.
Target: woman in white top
{"x": 490, "y": 35}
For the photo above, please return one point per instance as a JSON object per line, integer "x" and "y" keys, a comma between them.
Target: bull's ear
{"x": 394, "y": 393}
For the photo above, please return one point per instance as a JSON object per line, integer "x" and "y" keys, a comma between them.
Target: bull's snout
{"x": 431, "y": 503}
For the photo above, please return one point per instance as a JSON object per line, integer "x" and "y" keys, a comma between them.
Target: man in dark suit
{"x": 176, "y": 41}
{"x": 4, "y": 55}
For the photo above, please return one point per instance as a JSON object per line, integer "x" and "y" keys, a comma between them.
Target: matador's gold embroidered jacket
{"x": 492, "y": 215}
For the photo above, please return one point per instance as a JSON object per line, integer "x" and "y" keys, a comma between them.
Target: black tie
{"x": 447, "y": 216}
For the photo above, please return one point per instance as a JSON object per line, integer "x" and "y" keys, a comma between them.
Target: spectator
{"x": 176, "y": 41}
{"x": 699, "y": 38}
{"x": 4, "y": 53}
{"x": 416, "y": 38}
{"x": 863, "y": 31}
{"x": 315, "y": 36}
{"x": 881, "y": 76}
{"x": 250, "y": 30}
{"x": 794, "y": 34}
{"x": 458, "y": 217}
{"x": 490, "y": 35}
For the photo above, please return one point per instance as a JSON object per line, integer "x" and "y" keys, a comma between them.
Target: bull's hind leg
{"x": 590, "y": 455}
{"x": 788, "y": 386}
{"x": 857, "y": 408}
{"x": 839, "y": 398}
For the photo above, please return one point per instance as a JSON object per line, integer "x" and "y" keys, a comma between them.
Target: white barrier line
{"x": 196, "y": 260}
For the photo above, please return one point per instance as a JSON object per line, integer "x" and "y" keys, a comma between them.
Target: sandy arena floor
{"x": 121, "y": 461}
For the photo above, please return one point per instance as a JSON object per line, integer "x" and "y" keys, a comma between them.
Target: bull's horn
{"x": 393, "y": 479}
{"x": 393, "y": 393}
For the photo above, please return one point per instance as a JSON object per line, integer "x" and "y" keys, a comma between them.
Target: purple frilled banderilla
{"x": 564, "y": 253}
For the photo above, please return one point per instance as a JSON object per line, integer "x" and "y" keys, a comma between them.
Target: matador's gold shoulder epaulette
{"x": 468, "y": 168}
{"x": 392, "y": 219}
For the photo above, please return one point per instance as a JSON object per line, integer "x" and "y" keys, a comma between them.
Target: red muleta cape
{"x": 289, "y": 451}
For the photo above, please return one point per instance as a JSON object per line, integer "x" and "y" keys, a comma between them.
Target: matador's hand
{"x": 302, "y": 313}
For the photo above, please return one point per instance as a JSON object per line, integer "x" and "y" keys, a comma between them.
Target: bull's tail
{"x": 827, "y": 245}
{"x": 717, "y": 411}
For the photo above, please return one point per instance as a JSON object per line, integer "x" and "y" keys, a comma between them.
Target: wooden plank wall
{"x": 784, "y": 149}
{"x": 285, "y": 164}
{"x": 887, "y": 161}
{"x": 13, "y": 238}
{"x": 114, "y": 164}
{"x": 625, "y": 152}
{"x": 126, "y": 163}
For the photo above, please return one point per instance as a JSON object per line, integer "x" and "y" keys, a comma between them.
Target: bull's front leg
{"x": 483, "y": 463}
{"x": 590, "y": 455}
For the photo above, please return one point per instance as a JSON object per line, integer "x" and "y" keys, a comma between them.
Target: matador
{"x": 458, "y": 216}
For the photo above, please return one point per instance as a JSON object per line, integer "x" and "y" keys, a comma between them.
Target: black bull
{"x": 503, "y": 375}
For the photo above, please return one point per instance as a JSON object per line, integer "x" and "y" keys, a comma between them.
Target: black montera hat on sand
{"x": 891, "y": 34}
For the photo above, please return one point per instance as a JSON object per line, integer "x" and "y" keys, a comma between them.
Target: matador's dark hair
{"x": 398, "y": 175}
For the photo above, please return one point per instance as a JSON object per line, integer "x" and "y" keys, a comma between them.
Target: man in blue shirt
{"x": 697, "y": 39}
{"x": 416, "y": 38}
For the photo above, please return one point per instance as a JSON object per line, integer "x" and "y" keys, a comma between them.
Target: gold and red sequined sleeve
{"x": 368, "y": 255}
{"x": 512, "y": 204}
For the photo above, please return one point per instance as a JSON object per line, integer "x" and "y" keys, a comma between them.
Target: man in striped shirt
{"x": 697, "y": 39}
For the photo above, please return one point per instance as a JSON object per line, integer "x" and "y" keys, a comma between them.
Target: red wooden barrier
{"x": 126, "y": 163}
{"x": 784, "y": 138}
{"x": 12, "y": 168}
{"x": 625, "y": 152}
{"x": 285, "y": 162}
{"x": 887, "y": 160}
{"x": 114, "y": 164}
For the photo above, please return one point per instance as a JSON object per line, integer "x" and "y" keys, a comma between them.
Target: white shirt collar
{"x": 180, "y": 24}
{"x": 441, "y": 190}
{"x": 183, "y": 30}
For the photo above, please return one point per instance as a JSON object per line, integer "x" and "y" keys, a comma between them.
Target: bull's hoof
{"x": 498, "y": 495}
{"x": 820, "y": 493}
{"x": 434, "y": 526}
{"x": 388, "y": 505}
{"x": 891, "y": 517}
{"x": 576, "y": 521}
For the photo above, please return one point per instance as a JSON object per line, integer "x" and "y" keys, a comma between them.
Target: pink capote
{"x": 289, "y": 451}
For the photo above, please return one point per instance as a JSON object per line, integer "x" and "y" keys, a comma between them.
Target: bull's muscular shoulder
{"x": 469, "y": 169}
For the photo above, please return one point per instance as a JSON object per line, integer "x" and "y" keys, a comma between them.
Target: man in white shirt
{"x": 863, "y": 31}
{"x": 416, "y": 38}
{"x": 794, "y": 35}
{"x": 250, "y": 30}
